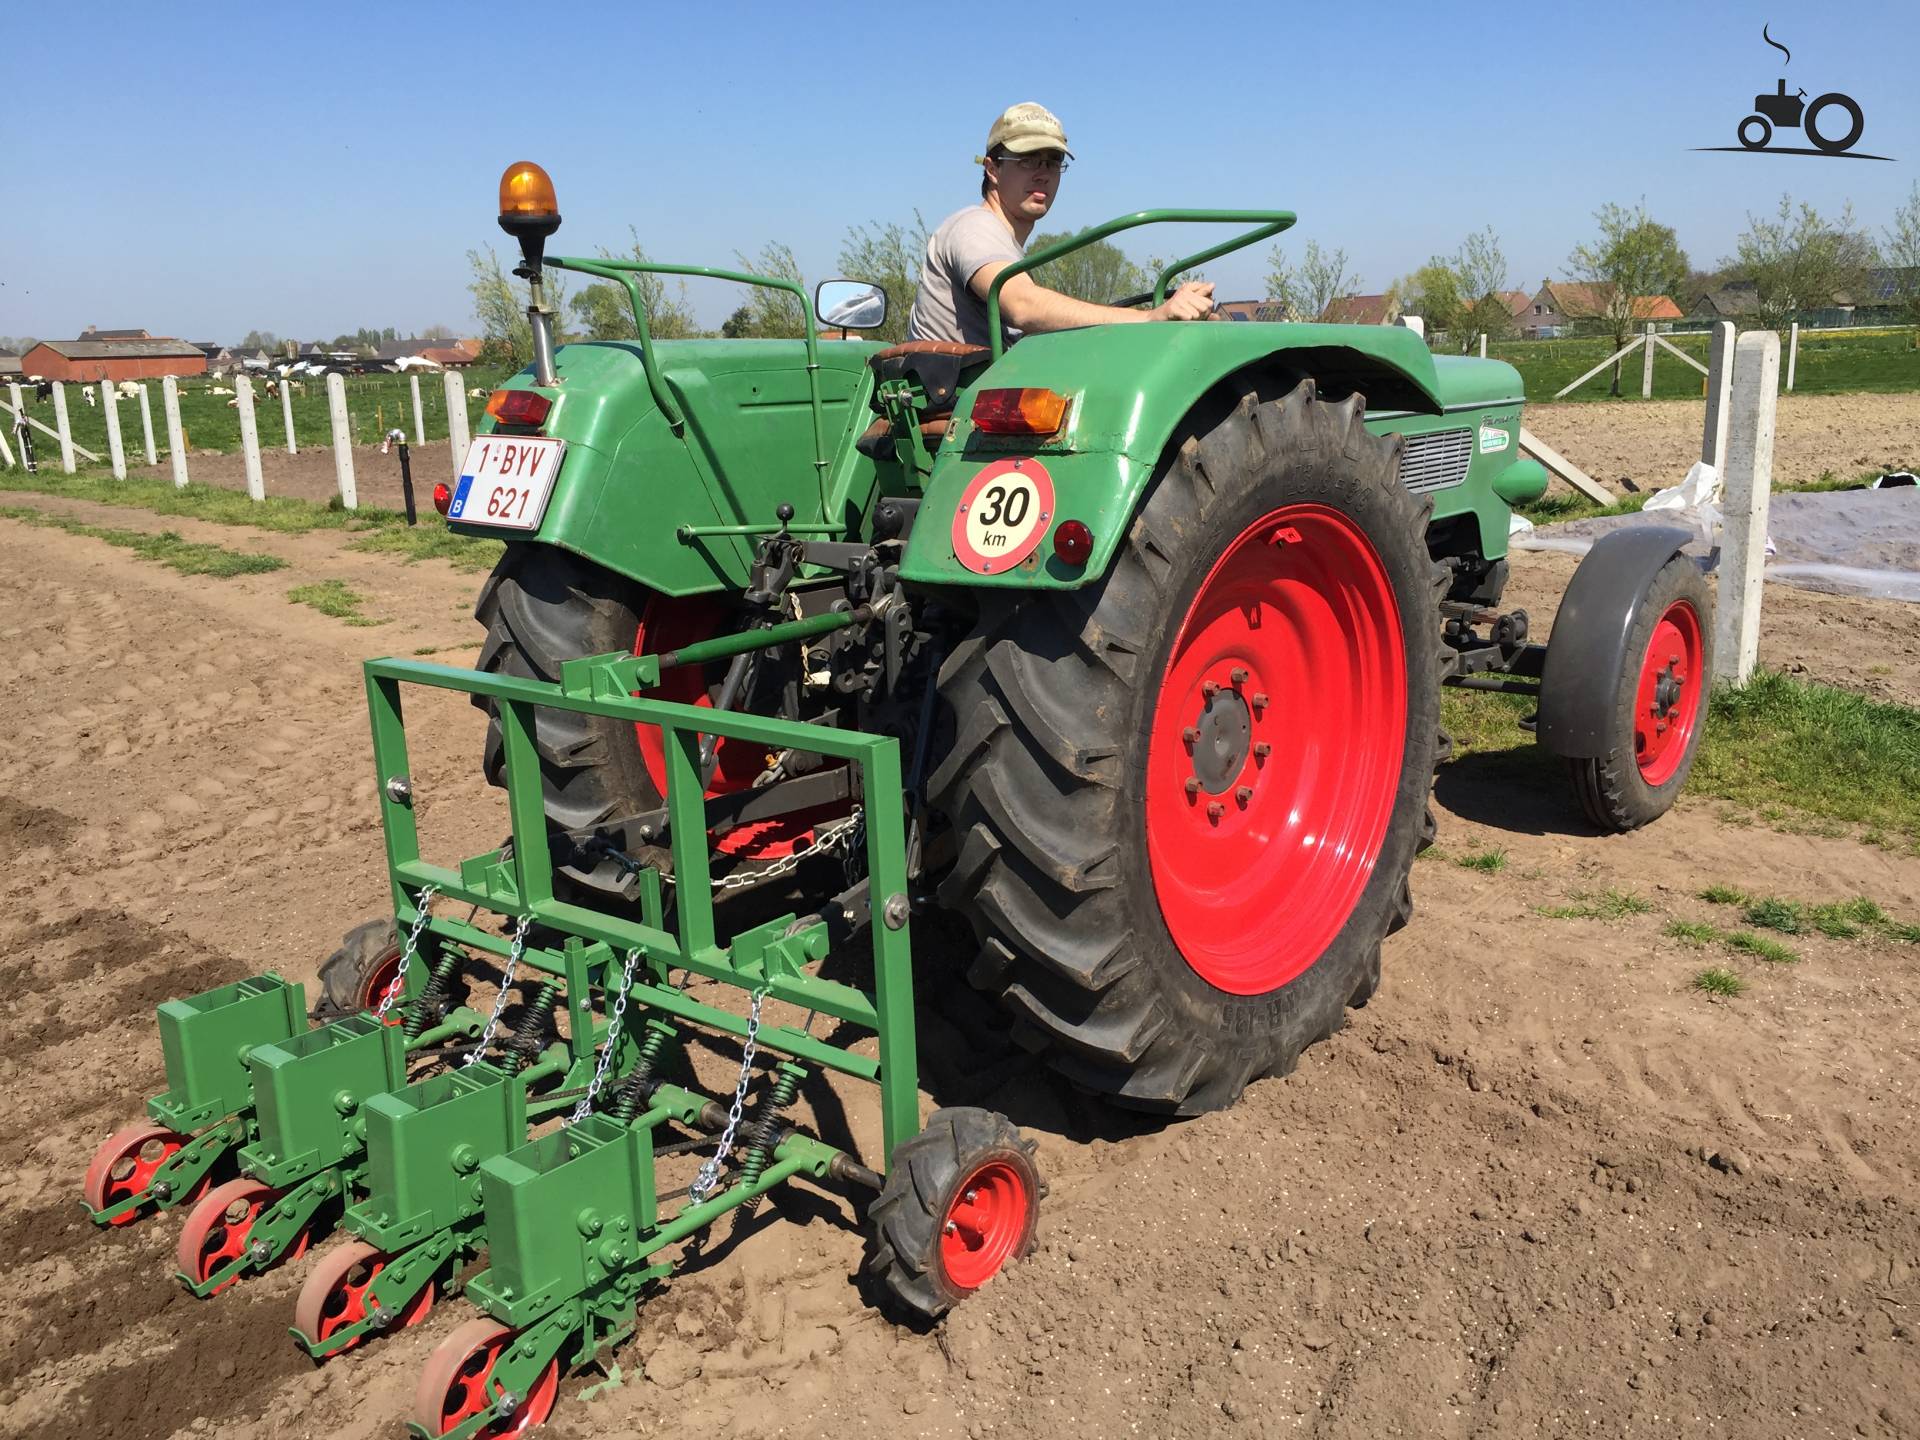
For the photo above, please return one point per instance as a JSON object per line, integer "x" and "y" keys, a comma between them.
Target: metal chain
{"x": 585, "y": 1107}
{"x": 710, "y": 1171}
{"x": 396, "y": 985}
{"x": 824, "y": 843}
{"x": 514, "y": 952}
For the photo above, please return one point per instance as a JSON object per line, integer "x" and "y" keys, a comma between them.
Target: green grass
{"x": 167, "y": 548}
{"x": 1490, "y": 862}
{"x": 1552, "y": 509}
{"x": 1840, "y": 920}
{"x": 1759, "y": 946}
{"x": 1719, "y": 982}
{"x": 385, "y": 531}
{"x": 1597, "y": 905}
{"x": 1723, "y": 895}
{"x": 332, "y": 597}
{"x": 1692, "y": 932}
{"x": 1829, "y": 363}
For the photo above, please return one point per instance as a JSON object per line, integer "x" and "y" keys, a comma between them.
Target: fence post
{"x": 19, "y": 408}
{"x": 1748, "y": 494}
{"x": 342, "y": 440}
{"x": 62, "y": 426}
{"x": 419, "y": 417}
{"x": 1713, "y": 444}
{"x": 176, "y": 440}
{"x": 249, "y": 437}
{"x": 1793, "y": 351}
{"x": 286, "y": 413}
{"x": 1483, "y": 344}
{"x": 457, "y": 433}
{"x": 1646, "y": 365}
{"x": 110, "y": 412}
{"x": 146, "y": 427}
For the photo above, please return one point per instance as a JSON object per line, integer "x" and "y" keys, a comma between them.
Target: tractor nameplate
{"x": 1002, "y": 515}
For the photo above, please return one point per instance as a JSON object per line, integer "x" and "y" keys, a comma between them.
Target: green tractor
{"x": 1125, "y": 644}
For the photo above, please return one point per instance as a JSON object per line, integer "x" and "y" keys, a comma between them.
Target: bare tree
{"x": 1633, "y": 257}
{"x": 1800, "y": 260}
{"x": 605, "y": 312}
{"x": 1099, "y": 273}
{"x": 1901, "y": 254}
{"x": 1307, "y": 291}
{"x": 888, "y": 256}
{"x": 766, "y": 313}
{"x": 500, "y": 305}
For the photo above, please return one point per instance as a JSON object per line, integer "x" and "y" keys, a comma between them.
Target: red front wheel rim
{"x": 1666, "y": 701}
{"x": 1276, "y": 746}
{"x": 385, "y": 971}
{"x": 457, "y": 1384}
{"x": 984, "y": 1224}
{"x": 125, "y": 1163}
{"x": 335, "y": 1295}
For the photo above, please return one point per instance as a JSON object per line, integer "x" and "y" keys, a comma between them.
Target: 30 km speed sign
{"x": 1002, "y": 516}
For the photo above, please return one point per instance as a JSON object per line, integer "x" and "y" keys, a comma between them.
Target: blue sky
{"x": 209, "y": 170}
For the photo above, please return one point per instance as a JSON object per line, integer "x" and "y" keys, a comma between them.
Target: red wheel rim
{"x": 454, "y": 1386}
{"x": 1292, "y": 643}
{"x": 124, "y": 1165}
{"x": 220, "y": 1226}
{"x": 1666, "y": 701}
{"x": 984, "y": 1224}
{"x": 335, "y": 1294}
{"x": 384, "y": 972}
{"x": 668, "y": 624}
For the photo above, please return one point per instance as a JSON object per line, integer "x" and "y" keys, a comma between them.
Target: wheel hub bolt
{"x": 1261, "y": 749}
{"x": 949, "y": 1228}
{"x": 259, "y": 1253}
{"x": 507, "y": 1403}
{"x": 1243, "y": 794}
{"x": 1191, "y": 734}
{"x": 1210, "y": 689}
{"x": 971, "y": 1196}
{"x": 1259, "y": 699}
{"x": 1240, "y": 674}
{"x": 1215, "y": 809}
{"x": 1193, "y": 784}
{"x": 163, "y": 1189}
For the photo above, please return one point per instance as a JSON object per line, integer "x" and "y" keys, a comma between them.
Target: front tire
{"x": 1167, "y": 911}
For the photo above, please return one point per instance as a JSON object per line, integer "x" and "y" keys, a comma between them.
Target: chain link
{"x": 825, "y": 843}
{"x": 585, "y": 1107}
{"x": 709, "y": 1175}
{"x": 514, "y": 952}
{"x": 397, "y": 985}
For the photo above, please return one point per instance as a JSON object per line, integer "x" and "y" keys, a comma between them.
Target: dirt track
{"x": 1537, "y": 1187}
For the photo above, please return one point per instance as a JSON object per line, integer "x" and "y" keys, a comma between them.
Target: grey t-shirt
{"x": 946, "y": 308}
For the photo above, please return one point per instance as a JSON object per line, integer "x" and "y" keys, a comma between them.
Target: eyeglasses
{"x": 1041, "y": 160}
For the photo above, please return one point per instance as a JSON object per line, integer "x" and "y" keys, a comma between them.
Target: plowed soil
{"x": 1539, "y": 1186}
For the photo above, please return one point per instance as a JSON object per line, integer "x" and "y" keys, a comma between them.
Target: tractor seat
{"x": 937, "y": 366}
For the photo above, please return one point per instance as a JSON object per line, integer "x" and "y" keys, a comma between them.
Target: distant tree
{"x": 1633, "y": 256}
{"x": 260, "y": 340}
{"x": 437, "y": 332}
{"x": 1319, "y": 280}
{"x": 888, "y": 256}
{"x": 500, "y": 307}
{"x": 1459, "y": 296}
{"x": 604, "y": 312}
{"x": 1901, "y": 253}
{"x": 1800, "y": 260}
{"x": 1100, "y": 272}
{"x": 769, "y": 314}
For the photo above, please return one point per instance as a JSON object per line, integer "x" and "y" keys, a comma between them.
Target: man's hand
{"x": 1191, "y": 301}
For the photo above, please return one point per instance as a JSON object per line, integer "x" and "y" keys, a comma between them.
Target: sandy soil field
{"x": 1538, "y": 1187}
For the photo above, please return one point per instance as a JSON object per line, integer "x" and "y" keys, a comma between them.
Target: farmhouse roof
{"x": 1581, "y": 301}
{"x": 1518, "y": 302}
{"x": 136, "y": 349}
{"x": 9, "y": 364}
{"x": 94, "y": 332}
{"x": 1359, "y": 310}
{"x": 1887, "y": 283}
{"x": 1739, "y": 298}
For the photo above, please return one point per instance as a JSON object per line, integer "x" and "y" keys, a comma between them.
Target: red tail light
{"x": 1073, "y": 542}
{"x": 442, "y": 497}
{"x": 1019, "y": 412}
{"x": 519, "y": 407}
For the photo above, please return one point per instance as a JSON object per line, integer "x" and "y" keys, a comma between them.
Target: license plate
{"x": 506, "y": 481}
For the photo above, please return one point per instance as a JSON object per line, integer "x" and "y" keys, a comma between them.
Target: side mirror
{"x": 850, "y": 305}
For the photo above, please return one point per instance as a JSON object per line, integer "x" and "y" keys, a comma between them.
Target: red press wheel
{"x": 988, "y": 1219}
{"x": 1276, "y": 747}
{"x": 1666, "y": 708}
{"x": 124, "y": 1165}
{"x": 220, "y": 1225}
{"x": 454, "y": 1386}
{"x": 335, "y": 1293}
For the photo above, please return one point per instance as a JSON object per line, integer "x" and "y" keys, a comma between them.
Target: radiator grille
{"x": 1436, "y": 460}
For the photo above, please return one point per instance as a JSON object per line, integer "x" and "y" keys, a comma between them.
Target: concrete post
{"x": 1793, "y": 351}
{"x": 1646, "y": 365}
{"x": 176, "y": 438}
{"x": 110, "y": 412}
{"x": 146, "y": 427}
{"x": 1713, "y": 444}
{"x": 286, "y": 414}
{"x": 249, "y": 437}
{"x": 1744, "y": 506}
{"x": 342, "y": 440}
{"x": 1483, "y": 344}
{"x": 63, "y": 428}
{"x": 419, "y": 417}
{"x": 457, "y": 433}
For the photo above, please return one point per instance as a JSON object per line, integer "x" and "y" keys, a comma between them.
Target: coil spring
{"x": 761, "y": 1129}
{"x": 638, "y": 1085}
{"x": 432, "y": 1003}
{"x": 529, "y": 1037}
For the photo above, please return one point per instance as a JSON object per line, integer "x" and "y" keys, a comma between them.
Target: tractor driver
{"x": 1026, "y": 154}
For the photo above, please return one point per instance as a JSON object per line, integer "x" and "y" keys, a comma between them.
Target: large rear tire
{"x": 1168, "y": 910}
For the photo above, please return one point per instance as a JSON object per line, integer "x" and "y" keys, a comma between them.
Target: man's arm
{"x": 1031, "y": 308}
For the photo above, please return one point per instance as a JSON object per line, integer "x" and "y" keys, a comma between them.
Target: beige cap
{"x": 1027, "y": 127}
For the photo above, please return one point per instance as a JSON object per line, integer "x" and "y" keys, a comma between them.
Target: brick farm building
{"x": 119, "y": 357}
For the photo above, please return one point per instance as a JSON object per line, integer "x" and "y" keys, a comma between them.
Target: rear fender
{"x": 1130, "y": 388}
{"x": 1587, "y": 651}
